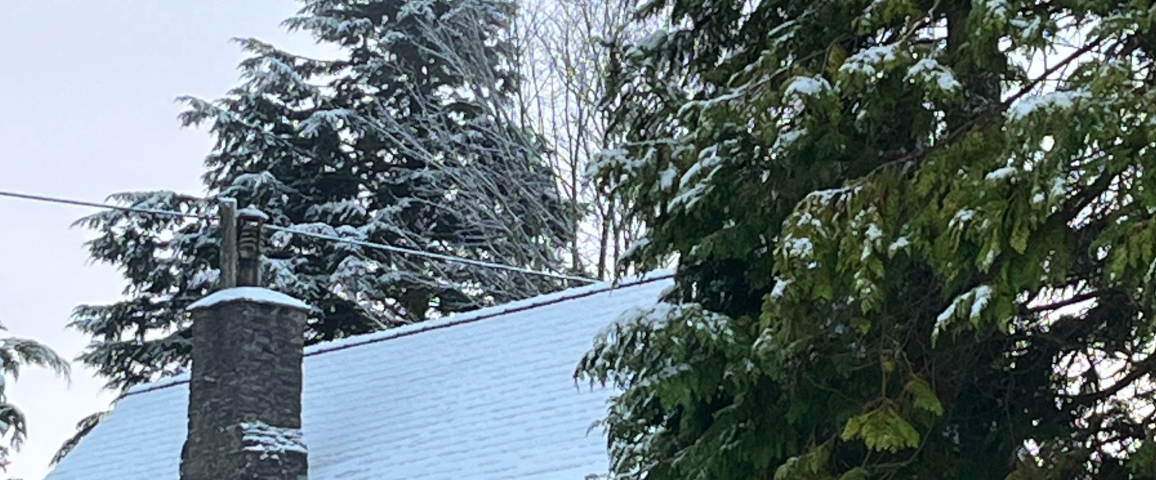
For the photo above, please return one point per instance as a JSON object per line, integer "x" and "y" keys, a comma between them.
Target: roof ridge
{"x": 438, "y": 324}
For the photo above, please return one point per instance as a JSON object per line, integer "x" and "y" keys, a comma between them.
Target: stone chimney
{"x": 245, "y": 391}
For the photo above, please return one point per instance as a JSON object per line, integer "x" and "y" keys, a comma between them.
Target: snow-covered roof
{"x": 478, "y": 396}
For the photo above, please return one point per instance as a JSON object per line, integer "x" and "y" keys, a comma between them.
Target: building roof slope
{"x": 484, "y": 395}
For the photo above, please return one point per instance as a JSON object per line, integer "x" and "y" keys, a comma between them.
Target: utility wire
{"x": 65, "y": 201}
{"x": 378, "y": 246}
{"x": 390, "y": 248}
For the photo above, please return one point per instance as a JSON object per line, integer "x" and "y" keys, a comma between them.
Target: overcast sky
{"x": 86, "y": 109}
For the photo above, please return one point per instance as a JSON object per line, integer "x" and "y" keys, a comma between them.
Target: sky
{"x": 86, "y": 110}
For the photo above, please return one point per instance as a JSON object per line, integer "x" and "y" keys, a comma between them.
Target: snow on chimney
{"x": 245, "y": 391}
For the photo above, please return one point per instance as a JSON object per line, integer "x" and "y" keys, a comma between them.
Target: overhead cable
{"x": 81, "y": 203}
{"x": 448, "y": 258}
{"x": 378, "y": 246}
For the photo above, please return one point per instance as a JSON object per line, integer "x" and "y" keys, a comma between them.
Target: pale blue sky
{"x": 86, "y": 109}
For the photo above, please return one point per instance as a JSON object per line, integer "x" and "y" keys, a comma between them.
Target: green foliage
{"x": 16, "y": 353}
{"x": 1142, "y": 462}
{"x": 882, "y": 429}
{"x": 933, "y": 250}
{"x": 923, "y": 397}
{"x": 810, "y": 465}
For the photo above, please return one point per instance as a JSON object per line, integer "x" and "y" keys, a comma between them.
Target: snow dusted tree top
{"x": 404, "y": 139}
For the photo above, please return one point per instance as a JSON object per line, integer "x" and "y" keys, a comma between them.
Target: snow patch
{"x": 338, "y": 211}
{"x": 666, "y": 178}
{"x": 872, "y": 237}
{"x": 780, "y": 288}
{"x": 981, "y": 296}
{"x": 978, "y": 298}
{"x": 271, "y": 441}
{"x": 962, "y": 216}
{"x": 1000, "y": 174}
{"x": 252, "y": 212}
{"x": 825, "y": 197}
{"x": 661, "y": 314}
{"x": 634, "y": 248}
{"x": 945, "y": 317}
{"x": 1027, "y": 29}
{"x": 689, "y": 195}
{"x": 870, "y": 61}
{"x": 899, "y": 244}
{"x": 800, "y": 248}
{"x": 329, "y": 119}
{"x": 249, "y": 294}
{"x": 1053, "y": 101}
{"x": 254, "y": 180}
{"x": 786, "y": 139}
{"x": 806, "y": 87}
{"x": 802, "y": 87}
{"x": 932, "y": 72}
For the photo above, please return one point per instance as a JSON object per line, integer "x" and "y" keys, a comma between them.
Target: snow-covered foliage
{"x": 1055, "y": 101}
{"x": 870, "y": 62}
{"x": 408, "y": 138}
{"x": 929, "y": 226}
{"x": 708, "y": 338}
{"x": 931, "y": 72}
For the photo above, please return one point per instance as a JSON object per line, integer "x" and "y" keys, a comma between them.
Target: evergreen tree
{"x": 915, "y": 240}
{"x": 405, "y": 140}
{"x": 16, "y": 353}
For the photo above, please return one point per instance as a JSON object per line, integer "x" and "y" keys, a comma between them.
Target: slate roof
{"x": 484, "y": 395}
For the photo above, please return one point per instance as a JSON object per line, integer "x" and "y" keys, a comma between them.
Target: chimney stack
{"x": 245, "y": 391}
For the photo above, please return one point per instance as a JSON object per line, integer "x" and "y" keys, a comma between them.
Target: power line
{"x": 81, "y": 203}
{"x": 448, "y": 258}
{"x": 378, "y": 246}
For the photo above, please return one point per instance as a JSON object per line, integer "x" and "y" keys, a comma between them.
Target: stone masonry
{"x": 245, "y": 393}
